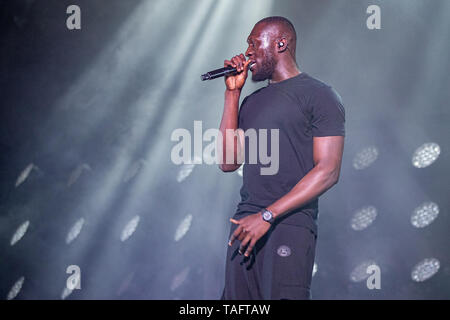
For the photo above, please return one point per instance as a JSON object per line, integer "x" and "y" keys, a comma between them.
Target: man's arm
{"x": 230, "y": 122}
{"x": 327, "y": 153}
{"x": 231, "y": 146}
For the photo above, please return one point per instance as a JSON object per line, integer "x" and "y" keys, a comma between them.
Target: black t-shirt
{"x": 301, "y": 107}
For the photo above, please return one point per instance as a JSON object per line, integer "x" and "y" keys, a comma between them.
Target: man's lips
{"x": 252, "y": 65}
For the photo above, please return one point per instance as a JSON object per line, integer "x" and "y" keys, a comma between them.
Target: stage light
{"x": 76, "y": 173}
{"x": 179, "y": 279}
{"x": 15, "y": 289}
{"x": 130, "y": 228}
{"x": 66, "y": 292}
{"x": 75, "y": 231}
{"x": 424, "y": 214}
{"x": 134, "y": 169}
{"x": 425, "y": 155}
{"x": 187, "y": 168}
{"x": 365, "y": 158}
{"x": 360, "y": 272}
{"x": 425, "y": 269}
{"x": 183, "y": 228}
{"x": 363, "y": 218}
{"x": 24, "y": 174}
{"x": 185, "y": 171}
{"x": 20, "y": 232}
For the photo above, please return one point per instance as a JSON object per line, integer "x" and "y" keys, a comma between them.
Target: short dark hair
{"x": 286, "y": 25}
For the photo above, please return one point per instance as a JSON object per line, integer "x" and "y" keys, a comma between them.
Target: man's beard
{"x": 265, "y": 70}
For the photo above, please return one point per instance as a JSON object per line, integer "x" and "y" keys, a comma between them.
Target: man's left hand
{"x": 251, "y": 228}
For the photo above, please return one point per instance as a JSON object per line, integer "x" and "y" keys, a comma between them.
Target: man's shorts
{"x": 280, "y": 266}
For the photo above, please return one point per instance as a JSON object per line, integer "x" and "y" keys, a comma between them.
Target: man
{"x": 273, "y": 233}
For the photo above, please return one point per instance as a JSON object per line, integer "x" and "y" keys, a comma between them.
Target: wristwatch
{"x": 267, "y": 216}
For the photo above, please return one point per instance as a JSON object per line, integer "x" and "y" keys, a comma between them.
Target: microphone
{"x": 218, "y": 73}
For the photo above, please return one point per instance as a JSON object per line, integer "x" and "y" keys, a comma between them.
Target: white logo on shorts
{"x": 284, "y": 251}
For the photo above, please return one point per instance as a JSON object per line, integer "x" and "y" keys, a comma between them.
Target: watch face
{"x": 267, "y": 215}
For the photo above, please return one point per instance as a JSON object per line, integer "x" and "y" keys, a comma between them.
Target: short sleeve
{"x": 328, "y": 114}
{"x": 240, "y": 118}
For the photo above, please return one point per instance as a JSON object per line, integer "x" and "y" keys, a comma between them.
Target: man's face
{"x": 260, "y": 51}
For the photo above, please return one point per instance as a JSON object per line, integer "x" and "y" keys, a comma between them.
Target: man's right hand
{"x": 237, "y": 81}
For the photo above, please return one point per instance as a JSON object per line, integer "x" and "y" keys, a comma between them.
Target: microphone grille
{"x": 205, "y": 76}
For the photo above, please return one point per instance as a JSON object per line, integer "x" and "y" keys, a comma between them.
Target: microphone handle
{"x": 218, "y": 73}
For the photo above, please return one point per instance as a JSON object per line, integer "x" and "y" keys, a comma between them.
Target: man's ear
{"x": 281, "y": 44}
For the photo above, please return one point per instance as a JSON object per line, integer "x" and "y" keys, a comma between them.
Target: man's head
{"x": 273, "y": 39}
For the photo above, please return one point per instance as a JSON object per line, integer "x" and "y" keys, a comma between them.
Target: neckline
{"x": 300, "y": 75}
